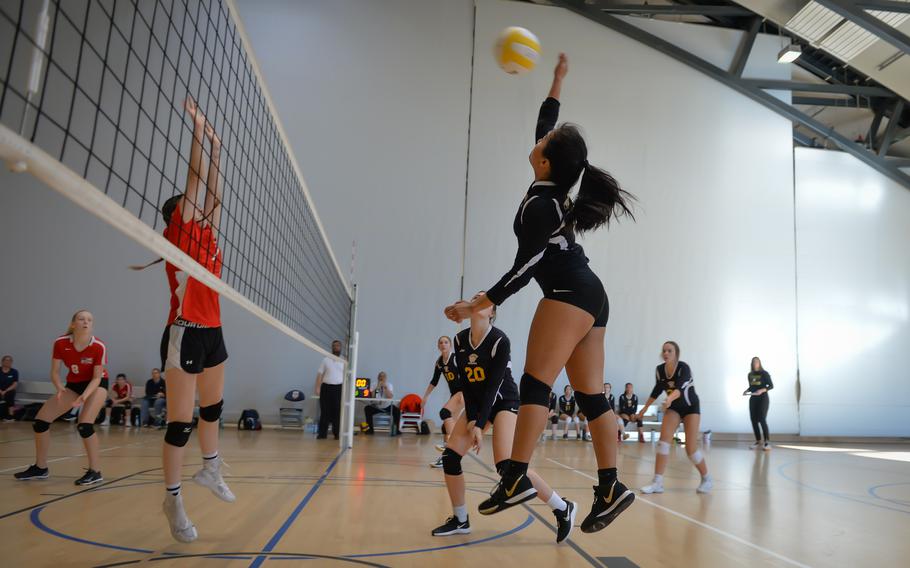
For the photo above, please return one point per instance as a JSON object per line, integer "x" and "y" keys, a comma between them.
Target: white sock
{"x": 658, "y": 478}
{"x": 175, "y": 491}
{"x": 461, "y": 512}
{"x": 210, "y": 456}
{"x": 556, "y": 503}
{"x": 706, "y": 477}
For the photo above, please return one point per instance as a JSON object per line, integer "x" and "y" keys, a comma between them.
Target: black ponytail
{"x": 599, "y": 198}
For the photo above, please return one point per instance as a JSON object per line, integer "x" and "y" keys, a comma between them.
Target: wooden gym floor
{"x": 300, "y": 502}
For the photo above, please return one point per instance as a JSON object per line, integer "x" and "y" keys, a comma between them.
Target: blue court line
{"x": 520, "y": 527}
{"x": 36, "y": 520}
{"x": 527, "y": 522}
{"x": 273, "y": 542}
{"x": 874, "y": 492}
{"x": 780, "y": 471}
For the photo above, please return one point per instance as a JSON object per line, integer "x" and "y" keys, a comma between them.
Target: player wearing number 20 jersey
{"x": 485, "y": 375}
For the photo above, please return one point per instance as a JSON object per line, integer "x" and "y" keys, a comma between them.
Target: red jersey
{"x": 124, "y": 391}
{"x": 192, "y": 300}
{"x": 81, "y": 364}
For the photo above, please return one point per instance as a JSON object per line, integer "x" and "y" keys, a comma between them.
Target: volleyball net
{"x": 92, "y": 101}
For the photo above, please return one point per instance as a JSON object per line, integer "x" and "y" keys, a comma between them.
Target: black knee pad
{"x": 554, "y": 419}
{"x": 86, "y": 430}
{"x": 501, "y": 467}
{"x": 532, "y": 391}
{"x": 178, "y": 433}
{"x": 445, "y": 414}
{"x": 211, "y": 413}
{"x": 40, "y": 426}
{"x": 592, "y": 405}
{"x": 451, "y": 462}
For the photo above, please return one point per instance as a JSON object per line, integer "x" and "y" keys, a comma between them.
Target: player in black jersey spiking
{"x": 483, "y": 357}
{"x": 569, "y": 324}
{"x": 675, "y": 378}
{"x": 452, "y": 409}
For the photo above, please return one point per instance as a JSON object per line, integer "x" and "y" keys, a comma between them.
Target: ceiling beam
{"x": 782, "y": 85}
{"x": 892, "y": 127}
{"x": 885, "y": 5}
{"x": 626, "y": 9}
{"x": 829, "y": 102}
{"x": 745, "y": 48}
{"x": 739, "y": 85}
{"x": 870, "y": 23}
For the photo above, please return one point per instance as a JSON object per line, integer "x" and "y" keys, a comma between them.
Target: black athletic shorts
{"x": 501, "y": 405}
{"x": 110, "y": 403}
{"x": 192, "y": 349}
{"x": 79, "y": 388}
{"x": 583, "y": 289}
{"x": 686, "y": 405}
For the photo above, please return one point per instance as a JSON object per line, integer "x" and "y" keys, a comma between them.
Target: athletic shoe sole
{"x": 610, "y": 514}
{"x": 92, "y": 482}
{"x": 45, "y": 476}
{"x": 652, "y": 491}
{"x": 526, "y": 495}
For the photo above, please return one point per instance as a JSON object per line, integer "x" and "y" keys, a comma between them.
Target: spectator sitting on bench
{"x": 382, "y": 390}
{"x": 9, "y": 380}
{"x": 153, "y": 400}
{"x": 121, "y": 396}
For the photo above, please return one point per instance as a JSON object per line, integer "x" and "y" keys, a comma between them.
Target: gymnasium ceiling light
{"x": 789, "y": 54}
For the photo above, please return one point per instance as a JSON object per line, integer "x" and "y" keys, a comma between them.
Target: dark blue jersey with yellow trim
{"x": 448, "y": 370}
{"x": 547, "y": 250}
{"x": 484, "y": 373}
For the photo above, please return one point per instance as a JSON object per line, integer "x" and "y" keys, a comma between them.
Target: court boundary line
{"x": 36, "y": 520}
{"x": 575, "y": 546}
{"x": 804, "y": 485}
{"x": 701, "y": 524}
{"x": 276, "y": 538}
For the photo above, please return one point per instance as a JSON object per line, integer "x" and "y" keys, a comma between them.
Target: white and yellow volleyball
{"x": 517, "y": 50}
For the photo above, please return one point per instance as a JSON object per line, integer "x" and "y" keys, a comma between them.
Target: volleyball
{"x": 517, "y": 50}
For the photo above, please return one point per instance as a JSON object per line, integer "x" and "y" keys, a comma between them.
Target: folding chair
{"x": 410, "y": 413}
{"x": 292, "y": 415}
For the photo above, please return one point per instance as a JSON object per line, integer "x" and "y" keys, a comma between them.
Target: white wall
{"x": 709, "y": 263}
{"x": 374, "y": 97}
{"x": 58, "y": 258}
{"x": 852, "y": 228}
{"x": 376, "y": 108}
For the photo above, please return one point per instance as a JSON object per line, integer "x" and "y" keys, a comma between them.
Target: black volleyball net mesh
{"x": 100, "y": 85}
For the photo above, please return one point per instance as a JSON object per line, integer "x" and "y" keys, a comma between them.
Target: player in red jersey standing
{"x": 84, "y": 355}
{"x": 192, "y": 347}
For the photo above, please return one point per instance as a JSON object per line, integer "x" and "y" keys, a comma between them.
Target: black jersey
{"x": 552, "y": 405}
{"x": 546, "y": 245}
{"x": 628, "y": 404}
{"x": 567, "y": 405}
{"x": 760, "y": 380}
{"x": 448, "y": 370}
{"x": 611, "y": 401}
{"x": 680, "y": 380}
{"x": 484, "y": 373}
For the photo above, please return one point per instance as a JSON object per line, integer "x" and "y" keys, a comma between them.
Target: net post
{"x": 348, "y": 406}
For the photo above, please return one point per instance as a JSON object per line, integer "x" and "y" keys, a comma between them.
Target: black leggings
{"x": 758, "y": 413}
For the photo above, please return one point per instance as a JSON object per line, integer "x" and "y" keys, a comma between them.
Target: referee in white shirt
{"x": 328, "y": 389}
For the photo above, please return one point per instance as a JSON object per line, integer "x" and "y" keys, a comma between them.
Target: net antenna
{"x": 92, "y": 103}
